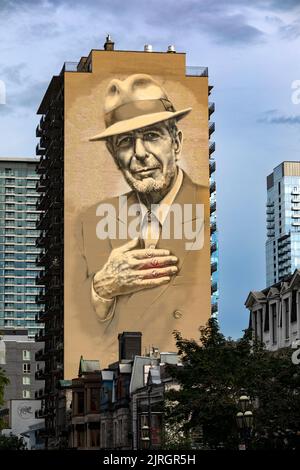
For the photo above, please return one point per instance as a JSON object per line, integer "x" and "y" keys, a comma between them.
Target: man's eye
{"x": 151, "y": 136}
{"x": 125, "y": 141}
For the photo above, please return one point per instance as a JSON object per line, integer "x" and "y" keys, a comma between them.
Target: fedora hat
{"x": 138, "y": 101}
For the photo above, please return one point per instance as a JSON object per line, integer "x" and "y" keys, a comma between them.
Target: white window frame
{"x": 26, "y": 355}
{"x": 26, "y": 394}
{"x": 26, "y": 380}
{"x": 26, "y": 368}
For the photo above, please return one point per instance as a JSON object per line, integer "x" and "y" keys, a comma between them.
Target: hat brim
{"x": 139, "y": 121}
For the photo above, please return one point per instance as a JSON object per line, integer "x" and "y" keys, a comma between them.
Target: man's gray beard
{"x": 149, "y": 185}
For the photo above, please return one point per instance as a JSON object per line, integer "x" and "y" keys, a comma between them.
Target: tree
{"x": 12, "y": 442}
{"x": 214, "y": 374}
{"x": 3, "y": 382}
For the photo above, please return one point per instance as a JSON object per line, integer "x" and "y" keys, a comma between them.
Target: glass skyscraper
{"x": 283, "y": 222}
{"x": 19, "y": 290}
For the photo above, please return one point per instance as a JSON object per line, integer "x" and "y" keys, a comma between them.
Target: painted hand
{"x": 129, "y": 270}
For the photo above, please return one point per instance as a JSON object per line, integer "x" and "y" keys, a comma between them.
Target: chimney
{"x": 130, "y": 345}
{"x": 109, "y": 45}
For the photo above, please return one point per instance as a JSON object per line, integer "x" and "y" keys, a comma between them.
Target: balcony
{"x": 41, "y": 185}
{"x": 213, "y": 247}
{"x": 296, "y": 216}
{"x": 295, "y": 223}
{"x": 213, "y": 227}
{"x": 214, "y": 307}
{"x": 211, "y": 108}
{"x": 213, "y": 208}
{"x": 270, "y": 211}
{"x": 212, "y": 187}
{"x": 214, "y": 287}
{"x": 270, "y": 233}
{"x": 39, "y": 150}
{"x": 211, "y": 128}
{"x": 40, "y": 336}
{"x": 270, "y": 204}
{"x": 214, "y": 267}
{"x": 295, "y": 192}
{"x": 212, "y": 147}
{"x": 270, "y": 226}
{"x": 40, "y": 278}
{"x": 212, "y": 167}
{"x": 40, "y": 259}
{"x": 295, "y": 208}
{"x": 40, "y": 298}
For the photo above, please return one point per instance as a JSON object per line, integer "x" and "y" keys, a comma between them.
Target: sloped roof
{"x": 88, "y": 366}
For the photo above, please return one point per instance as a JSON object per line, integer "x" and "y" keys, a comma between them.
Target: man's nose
{"x": 140, "y": 151}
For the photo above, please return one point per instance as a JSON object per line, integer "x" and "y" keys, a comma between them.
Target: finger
{"x": 145, "y": 283}
{"x": 129, "y": 245}
{"x": 154, "y": 273}
{"x": 151, "y": 263}
{"x": 149, "y": 253}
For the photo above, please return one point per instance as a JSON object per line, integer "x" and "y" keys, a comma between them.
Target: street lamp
{"x": 244, "y": 419}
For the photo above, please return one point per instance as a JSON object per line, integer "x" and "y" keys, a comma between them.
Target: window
{"x": 26, "y": 368}
{"x": 294, "y": 307}
{"x": 274, "y": 323}
{"x": 26, "y": 381}
{"x": 266, "y": 326}
{"x": 287, "y": 318}
{"x": 95, "y": 399}
{"x": 26, "y": 393}
{"x": 94, "y": 434}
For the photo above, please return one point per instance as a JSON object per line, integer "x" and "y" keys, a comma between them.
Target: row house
{"x": 274, "y": 313}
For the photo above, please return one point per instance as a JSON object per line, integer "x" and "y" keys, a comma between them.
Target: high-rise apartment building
{"x": 283, "y": 222}
{"x": 67, "y": 121}
{"x": 19, "y": 292}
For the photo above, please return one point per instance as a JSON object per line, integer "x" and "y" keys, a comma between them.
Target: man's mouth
{"x": 145, "y": 171}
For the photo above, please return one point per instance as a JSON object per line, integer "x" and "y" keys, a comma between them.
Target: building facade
{"x": 283, "y": 222}
{"x": 120, "y": 407}
{"x": 19, "y": 363}
{"x": 67, "y": 320}
{"x": 275, "y": 313}
{"x": 18, "y": 271}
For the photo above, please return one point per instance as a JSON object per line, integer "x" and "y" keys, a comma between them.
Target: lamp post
{"x": 244, "y": 419}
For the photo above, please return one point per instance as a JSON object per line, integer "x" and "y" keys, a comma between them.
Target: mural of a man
{"x": 148, "y": 283}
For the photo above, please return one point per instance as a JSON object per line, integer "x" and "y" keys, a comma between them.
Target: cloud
{"x": 290, "y": 31}
{"x": 224, "y": 22}
{"x": 14, "y": 73}
{"x": 273, "y": 116}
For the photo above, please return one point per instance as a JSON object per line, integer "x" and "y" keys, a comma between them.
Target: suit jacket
{"x": 183, "y": 304}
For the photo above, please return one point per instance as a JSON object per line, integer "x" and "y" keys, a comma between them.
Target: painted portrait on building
{"x": 141, "y": 257}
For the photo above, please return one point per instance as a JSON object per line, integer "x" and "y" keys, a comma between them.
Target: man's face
{"x": 147, "y": 157}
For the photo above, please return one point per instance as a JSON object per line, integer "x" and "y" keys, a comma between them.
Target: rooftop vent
{"x": 148, "y": 48}
{"x": 171, "y": 48}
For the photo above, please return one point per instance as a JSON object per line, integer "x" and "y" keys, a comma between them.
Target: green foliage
{"x": 214, "y": 374}
{"x": 3, "y": 382}
{"x": 12, "y": 442}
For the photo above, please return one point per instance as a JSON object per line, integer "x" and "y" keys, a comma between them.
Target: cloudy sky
{"x": 252, "y": 52}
